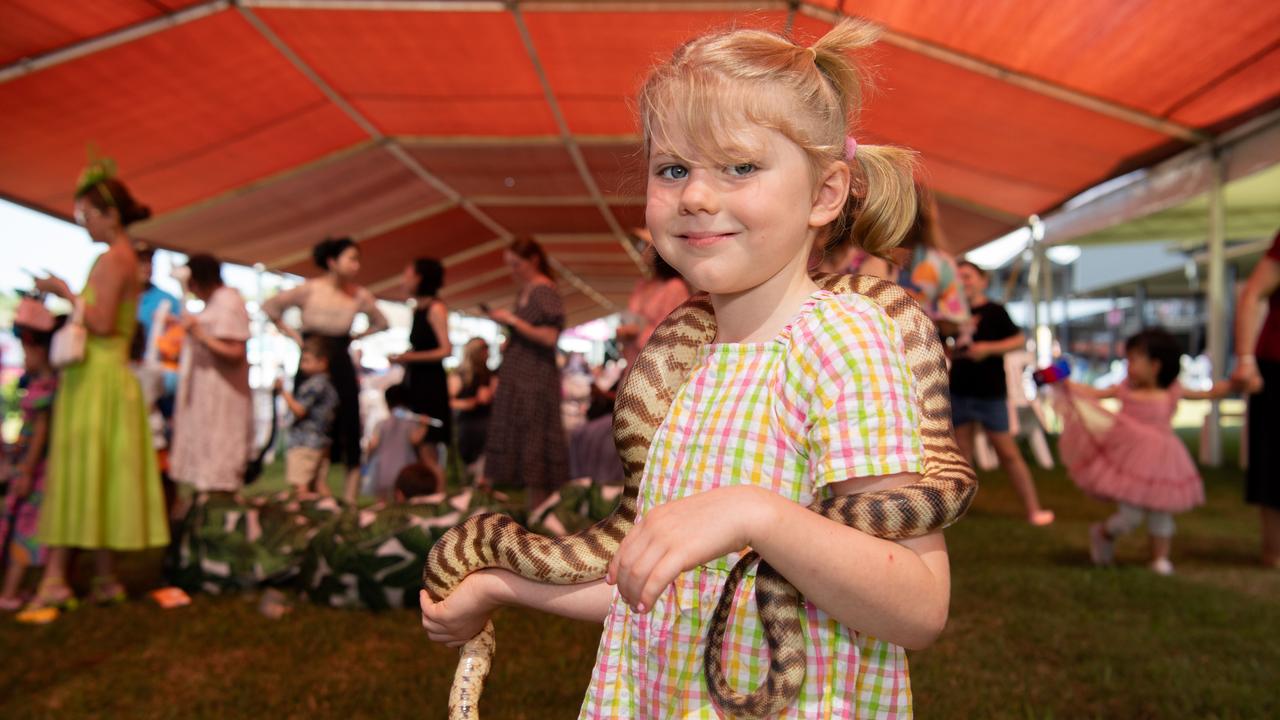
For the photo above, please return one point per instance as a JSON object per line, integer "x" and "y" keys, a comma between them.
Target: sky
{"x": 39, "y": 243}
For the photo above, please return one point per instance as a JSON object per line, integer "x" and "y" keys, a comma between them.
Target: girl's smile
{"x": 705, "y": 239}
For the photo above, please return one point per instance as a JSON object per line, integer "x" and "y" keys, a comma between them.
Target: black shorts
{"x": 1262, "y": 479}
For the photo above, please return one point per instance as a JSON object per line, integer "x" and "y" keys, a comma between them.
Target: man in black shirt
{"x": 978, "y": 389}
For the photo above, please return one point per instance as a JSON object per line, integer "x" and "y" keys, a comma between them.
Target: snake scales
{"x": 939, "y": 498}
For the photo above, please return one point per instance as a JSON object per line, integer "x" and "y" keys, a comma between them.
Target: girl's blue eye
{"x": 742, "y": 169}
{"x": 673, "y": 172}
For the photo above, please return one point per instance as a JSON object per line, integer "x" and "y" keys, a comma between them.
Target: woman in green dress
{"x": 103, "y": 489}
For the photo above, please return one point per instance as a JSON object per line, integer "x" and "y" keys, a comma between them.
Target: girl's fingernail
{"x": 640, "y": 608}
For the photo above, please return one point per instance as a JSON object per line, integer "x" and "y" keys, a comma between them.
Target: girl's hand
{"x": 397, "y": 359}
{"x": 683, "y": 534}
{"x": 54, "y": 285}
{"x": 461, "y": 616}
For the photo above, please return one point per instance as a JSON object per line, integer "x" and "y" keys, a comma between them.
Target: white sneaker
{"x": 1162, "y": 566}
{"x": 1102, "y": 549}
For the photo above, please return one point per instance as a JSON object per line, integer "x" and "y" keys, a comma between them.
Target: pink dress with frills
{"x": 1132, "y": 456}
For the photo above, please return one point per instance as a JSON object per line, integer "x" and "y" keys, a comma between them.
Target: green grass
{"x": 1034, "y": 633}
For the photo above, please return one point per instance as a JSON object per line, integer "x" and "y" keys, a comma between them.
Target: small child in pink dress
{"x": 1133, "y": 457}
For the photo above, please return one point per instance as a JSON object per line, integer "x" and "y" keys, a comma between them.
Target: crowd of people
{"x": 134, "y": 392}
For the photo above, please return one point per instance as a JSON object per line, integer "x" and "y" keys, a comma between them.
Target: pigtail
{"x": 831, "y": 53}
{"x": 882, "y": 200}
{"x": 884, "y": 196}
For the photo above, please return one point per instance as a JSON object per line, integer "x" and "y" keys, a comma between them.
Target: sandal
{"x": 11, "y": 604}
{"x": 51, "y": 600}
{"x": 107, "y": 590}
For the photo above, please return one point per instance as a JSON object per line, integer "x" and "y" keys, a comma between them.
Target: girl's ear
{"x": 831, "y": 196}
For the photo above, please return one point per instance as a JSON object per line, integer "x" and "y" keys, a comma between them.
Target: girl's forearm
{"x": 1220, "y": 389}
{"x": 586, "y": 601}
{"x": 898, "y": 592}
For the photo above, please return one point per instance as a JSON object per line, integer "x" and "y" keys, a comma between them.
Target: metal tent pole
{"x": 1218, "y": 320}
{"x": 1036, "y": 284}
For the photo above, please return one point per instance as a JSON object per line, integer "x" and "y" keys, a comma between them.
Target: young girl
{"x": 803, "y": 394}
{"x": 26, "y": 482}
{"x": 394, "y": 444}
{"x": 1133, "y": 457}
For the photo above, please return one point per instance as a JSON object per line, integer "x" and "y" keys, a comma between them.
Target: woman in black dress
{"x": 424, "y": 363}
{"x": 526, "y": 443}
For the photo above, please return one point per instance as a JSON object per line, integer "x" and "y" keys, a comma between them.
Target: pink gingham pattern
{"x": 830, "y": 398}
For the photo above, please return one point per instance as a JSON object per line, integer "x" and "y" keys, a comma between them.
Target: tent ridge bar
{"x": 380, "y": 5}
{"x": 560, "y": 6}
{"x": 575, "y": 153}
{"x": 388, "y": 143}
{"x": 26, "y": 66}
{"x": 1026, "y": 82}
{"x": 1241, "y": 151}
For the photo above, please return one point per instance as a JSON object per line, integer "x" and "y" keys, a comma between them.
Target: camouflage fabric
{"x": 230, "y": 543}
{"x": 372, "y": 558}
{"x": 576, "y": 506}
{"x": 344, "y": 556}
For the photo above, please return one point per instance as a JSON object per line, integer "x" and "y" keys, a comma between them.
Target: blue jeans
{"x": 992, "y": 413}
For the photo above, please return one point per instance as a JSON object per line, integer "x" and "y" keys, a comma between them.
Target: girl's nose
{"x": 698, "y": 194}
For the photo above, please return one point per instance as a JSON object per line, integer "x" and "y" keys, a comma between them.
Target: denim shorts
{"x": 993, "y": 413}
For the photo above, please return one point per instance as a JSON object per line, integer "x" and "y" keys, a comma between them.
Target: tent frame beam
{"x": 1240, "y": 152}
{"x": 1024, "y": 81}
{"x": 390, "y": 145}
{"x": 26, "y": 66}
{"x": 571, "y": 145}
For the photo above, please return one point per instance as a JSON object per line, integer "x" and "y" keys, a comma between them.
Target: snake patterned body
{"x": 939, "y": 498}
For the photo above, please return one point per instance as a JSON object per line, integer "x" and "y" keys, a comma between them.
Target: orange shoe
{"x": 51, "y": 600}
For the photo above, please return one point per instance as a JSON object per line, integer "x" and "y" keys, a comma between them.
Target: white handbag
{"x": 67, "y": 346}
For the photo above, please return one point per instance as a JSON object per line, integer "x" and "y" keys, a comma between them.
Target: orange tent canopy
{"x": 255, "y": 128}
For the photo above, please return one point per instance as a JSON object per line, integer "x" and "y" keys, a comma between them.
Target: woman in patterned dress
{"x": 804, "y": 394}
{"x": 526, "y": 444}
{"x": 213, "y": 417}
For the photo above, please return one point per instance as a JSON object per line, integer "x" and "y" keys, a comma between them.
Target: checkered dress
{"x": 831, "y": 398}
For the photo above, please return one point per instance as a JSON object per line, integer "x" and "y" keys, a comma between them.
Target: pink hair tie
{"x": 850, "y": 148}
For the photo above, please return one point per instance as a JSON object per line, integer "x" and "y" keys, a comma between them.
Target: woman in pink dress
{"x": 1133, "y": 457}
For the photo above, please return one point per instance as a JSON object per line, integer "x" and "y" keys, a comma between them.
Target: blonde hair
{"x": 811, "y": 95}
{"x": 472, "y": 365}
